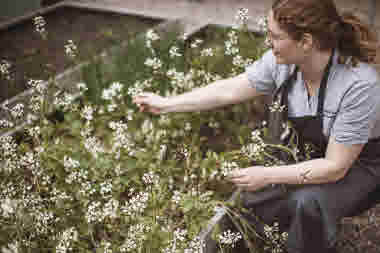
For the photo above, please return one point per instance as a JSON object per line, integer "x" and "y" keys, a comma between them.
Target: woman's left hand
{"x": 249, "y": 179}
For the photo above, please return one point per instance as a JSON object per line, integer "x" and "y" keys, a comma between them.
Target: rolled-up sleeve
{"x": 261, "y": 73}
{"x": 358, "y": 113}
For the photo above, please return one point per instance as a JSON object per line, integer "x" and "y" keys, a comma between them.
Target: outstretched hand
{"x": 249, "y": 179}
{"x": 150, "y": 102}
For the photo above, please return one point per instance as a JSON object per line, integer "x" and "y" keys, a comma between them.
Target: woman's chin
{"x": 279, "y": 60}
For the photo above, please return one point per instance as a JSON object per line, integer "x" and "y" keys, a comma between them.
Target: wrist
{"x": 269, "y": 177}
{"x": 166, "y": 105}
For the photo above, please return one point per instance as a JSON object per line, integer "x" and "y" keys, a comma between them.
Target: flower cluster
{"x": 8, "y": 207}
{"x": 136, "y": 205}
{"x": 196, "y": 245}
{"x": 150, "y": 36}
{"x": 262, "y": 23}
{"x": 154, "y": 63}
{"x": 276, "y": 238}
{"x": 66, "y": 239}
{"x": 17, "y": 111}
{"x": 229, "y": 238}
{"x": 38, "y": 85}
{"x": 230, "y": 45}
{"x": 253, "y": 150}
{"x": 242, "y": 16}
{"x": 228, "y": 167}
{"x": 40, "y": 23}
{"x": 65, "y": 102}
{"x": 179, "y": 80}
{"x": 136, "y": 235}
{"x": 151, "y": 178}
{"x": 6, "y": 123}
{"x": 71, "y": 49}
{"x": 5, "y": 69}
{"x": 276, "y": 106}
{"x": 70, "y": 163}
{"x": 88, "y": 112}
{"x": 8, "y": 154}
{"x": 121, "y": 138}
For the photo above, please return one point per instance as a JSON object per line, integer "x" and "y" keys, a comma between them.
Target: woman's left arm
{"x": 331, "y": 168}
{"x": 338, "y": 159}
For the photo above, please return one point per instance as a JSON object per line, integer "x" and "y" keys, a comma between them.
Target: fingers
{"x": 141, "y": 101}
{"x": 142, "y": 97}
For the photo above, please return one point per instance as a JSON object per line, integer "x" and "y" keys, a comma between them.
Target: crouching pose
{"x": 319, "y": 67}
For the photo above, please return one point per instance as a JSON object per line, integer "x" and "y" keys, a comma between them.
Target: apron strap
{"x": 322, "y": 89}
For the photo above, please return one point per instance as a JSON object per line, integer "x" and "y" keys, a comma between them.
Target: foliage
{"x": 99, "y": 175}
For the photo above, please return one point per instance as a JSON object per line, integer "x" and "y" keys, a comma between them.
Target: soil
{"x": 35, "y": 58}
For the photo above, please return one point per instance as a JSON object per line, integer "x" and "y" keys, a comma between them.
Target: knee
{"x": 306, "y": 201}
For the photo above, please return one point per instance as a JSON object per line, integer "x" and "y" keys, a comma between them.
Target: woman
{"x": 319, "y": 68}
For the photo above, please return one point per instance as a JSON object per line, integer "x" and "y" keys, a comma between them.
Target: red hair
{"x": 322, "y": 20}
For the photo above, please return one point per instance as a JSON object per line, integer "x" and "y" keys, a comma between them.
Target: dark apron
{"x": 310, "y": 214}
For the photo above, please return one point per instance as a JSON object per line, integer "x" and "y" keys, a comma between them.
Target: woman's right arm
{"x": 217, "y": 94}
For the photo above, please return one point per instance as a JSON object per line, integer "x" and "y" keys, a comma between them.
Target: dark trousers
{"x": 311, "y": 214}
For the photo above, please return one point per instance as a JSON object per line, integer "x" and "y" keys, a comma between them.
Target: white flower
{"x": 207, "y": 52}
{"x": 82, "y": 86}
{"x": 87, "y": 113}
{"x": 228, "y": 167}
{"x": 34, "y": 131}
{"x": 196, "y": 43}
{"x": 262, "y": 23}
{"x": 229, "y": 238}
{"x": 238, "y": 61}
{"x": 70, "y": 163}
{"x": 256, "y": 136}
{"x": 93, "y": 145}
{"x": 180, "y": 234}
{"x": 276, "y": 107}
{"x": 136, "y": 89}
{"x": 242, "y": 16}
{"x": 176, "y": 198}
{"x": 196, "y": 246}
{"x": 38, "y": 85}
{"x": 253, "y": 150}
{"x": 17, "y": 111}
{"x": 151, "y": 178}
{"x": 8, "y": 207}
{"x": 230, "y": 49}
{"x": 64, "y": 102}
{"x": 6, "y": 123}
{"x": 4, "y": 69}
{"x": 136, "y": 205}
{"x": 71, "y": 49}
{"x": 152, "y": 35}
{"x": 154, "y": 63}
{"x": 233, "y": 37}
{"x": 106, "y": 189}
{"x": 66, "y": 238}
{"x": 174, "y": 52}
{"x": 113, "y": 91}
{"x": 39, "y": 23}
{"x": 185, "y": 36}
